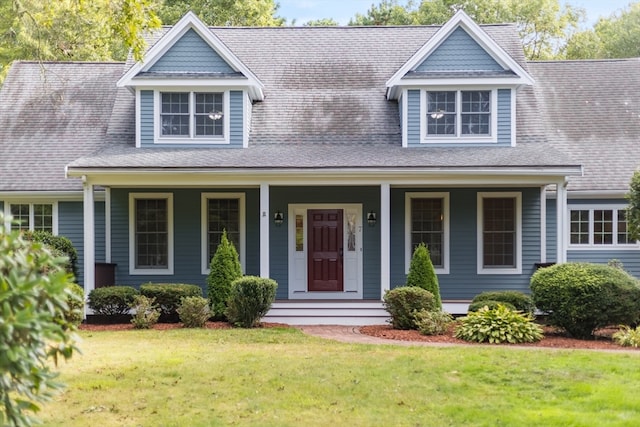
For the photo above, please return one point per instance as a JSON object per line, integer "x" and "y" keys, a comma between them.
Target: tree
{"x": 322, "y": 22}
{"x": 633, "y": 210}
{"x": 543, "y": 25}
{"x": 617, "y": 36}
{"x": 224, "y": 269}
{"x": 35, "y": 325}
{"x": 259, "y": 13}
{"x": 422, "y": 273}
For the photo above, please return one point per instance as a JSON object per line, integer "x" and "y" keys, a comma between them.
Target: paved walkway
{"x": 351, "y": 334}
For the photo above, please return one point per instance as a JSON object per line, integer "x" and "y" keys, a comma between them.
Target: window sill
{"x": 499, "y": 271}
{"x": 151, "y": 272}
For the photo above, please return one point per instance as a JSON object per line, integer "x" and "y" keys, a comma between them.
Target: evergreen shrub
{"x": 422, "y": 274}
{"x": 250, "y": 299}
{"x": 61, "y": 245}
{"x": 432, "y": 322}
{"x": 146, "y": 313}
{"x": 224, "y": 269}
{"x": 194, "y": 312}
{"x": 112, "y": 300}
{"x": 582, "y": 297}
{"x": 403, "y": 302}
{"x": 168, "y": 296}
{"x": 518, "y": 300}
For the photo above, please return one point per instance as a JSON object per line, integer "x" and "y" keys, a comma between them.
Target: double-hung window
{"x": 598, "y": 227}
{"x": 459, "y": 115}
{"x": 33, "y": 216}
{"x": 193, "y": 116}
{"x": 222, "y": 212}
{"x": 499, "y": 233}
{"x": 151, "y": 233}
{"x": 428, "y": 222}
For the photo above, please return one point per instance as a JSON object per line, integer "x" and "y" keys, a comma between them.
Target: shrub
{"x": 34, "y": 290}
{"x": 432, "y": 322}
{"x": 490, "y": 304}
{"x": 75, "y": 305}
{"x": 422, "y": 273}
{"x": 112, "y": 300}
{"x": 194, "y": 312}
{"x": 518, "y": 300}
{"x": 250, "y": 300}
{"x": 403, "y": 302}
{"x": 225, "y": 268}
{"x": 61, "y": 244}
{"x": 168, "y": 296}
{"x": 146, "y": 313}
{"x": 582, "y": 297}
{"x": 499, "y": 325}
{"x": 627, "y": 337}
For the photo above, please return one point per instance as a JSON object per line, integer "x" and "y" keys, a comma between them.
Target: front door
{"x": 325, "y": 237}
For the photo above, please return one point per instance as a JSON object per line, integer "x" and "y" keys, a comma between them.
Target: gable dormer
{"x": 191, "y": 90}
{"x": 459, "y": 88}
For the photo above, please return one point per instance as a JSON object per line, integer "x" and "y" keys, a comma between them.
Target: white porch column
{"x": 107, "y": 225}
{"x": 543, "y": 224}
{"x": 561, "y": 226}
{"x": 89, "y": 238}
{"x": 264, "y": 230}
{"x": 384, "y": 222}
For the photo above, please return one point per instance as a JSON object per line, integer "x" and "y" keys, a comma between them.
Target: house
{"x": 327, "y": 154}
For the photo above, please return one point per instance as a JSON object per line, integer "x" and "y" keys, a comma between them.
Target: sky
{"x": 343, "y": 10}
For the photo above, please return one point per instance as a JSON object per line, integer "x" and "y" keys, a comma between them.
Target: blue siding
{"x": 459, "y": 52}
{"x": 413, "y": 117}
{"x": 463, "y": 282}
{"x": 369, "y": 197}
{"x": 504, "y": 117}
{"x": 236, "y": 110}
{"x": 191, "y": 54}
{"x": 146, "y": 118}
{"x": 187, "y": 236}
{"x": 552, "y": 232}
{"x": 71, "y": 225}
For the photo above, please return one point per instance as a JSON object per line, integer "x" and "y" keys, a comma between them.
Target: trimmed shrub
{"x": 627, "y": 337}
{"x": 194, "y": 312}
{"x": 250, "y": 300}
{"x": 518, "y": 300}
{"x": 146, "y": 312}
{"x": 112, "y": 300}
{"x": 475, "y": 306}
{"x": 499, "y": 325}
{"x": 422, "y": 273}
{"x": 582, "y": 297}
{"x": 75, "y": 305}
{"x": 60, "y": 244}
{"x": 403, "y": 302}
{"x": 224, "y": 269}
{"x": 168, "y": 296}
{"x": 432, "y": 322}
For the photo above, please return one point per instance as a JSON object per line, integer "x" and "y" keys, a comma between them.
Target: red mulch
{"x": 163, "y": 326}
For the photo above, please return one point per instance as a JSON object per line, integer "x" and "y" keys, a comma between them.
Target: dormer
{"x": 191, "y": 90}
{"x": 459, "y": 88}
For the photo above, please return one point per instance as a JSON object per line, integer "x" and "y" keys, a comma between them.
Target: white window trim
{"x": 459, "y": 139}
{"x": 191, "y": 139}
{"x": 592, "y": 246}
{"x": 446, "y": 227}
{"x": 204, "y": 197}
{"x": 31, "y": 202}
{"x": 480, "y": 247}
{"x": 132, "y": 239}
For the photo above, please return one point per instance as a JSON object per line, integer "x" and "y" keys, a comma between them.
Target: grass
{"x": 280, "y": 377}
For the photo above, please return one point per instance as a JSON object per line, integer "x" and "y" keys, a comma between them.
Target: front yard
{"x": 280, "y": 377}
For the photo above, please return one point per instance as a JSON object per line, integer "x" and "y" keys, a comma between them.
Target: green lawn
{"x": 280, "y": 377}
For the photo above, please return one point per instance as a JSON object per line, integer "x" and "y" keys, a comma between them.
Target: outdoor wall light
{"x": 371, "y": 218}
{"x": 215, "y": 115}
{"x": 278, "y": 218}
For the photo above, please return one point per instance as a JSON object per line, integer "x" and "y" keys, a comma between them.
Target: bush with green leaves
{"x": 250, "y": 299}
{"x": 498, "y": 325}
{"x": 627, "y": 337}
{"x": 490, "y": 304}
{"x": 168, "y": 296}
{"x": 518, "y": 300}
{"x": 582, "y": 297}
{"x": 60, "y": 244}
{"x": 422, "y": 273}
{"x": 112, "y": 300}
{"x": 432, "y": 322}
{"x": 194, "y": 312}
{"x": 403, "y": 302}
{"x": 34, "y": 292}
{"x": 75, "y": 305}
{"x": 224, "y": 269}
{"x": 146, "y": 313}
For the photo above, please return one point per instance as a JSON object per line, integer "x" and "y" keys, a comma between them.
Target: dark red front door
{"x": 325, "y": 250}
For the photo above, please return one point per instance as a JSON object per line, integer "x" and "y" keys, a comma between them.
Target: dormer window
{"x": 459, "y": 115}
{"x": 193, "y": 117}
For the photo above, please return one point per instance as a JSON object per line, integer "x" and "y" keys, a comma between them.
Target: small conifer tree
{"x": 422, "y": 273}
{"x": 224, "y": 269}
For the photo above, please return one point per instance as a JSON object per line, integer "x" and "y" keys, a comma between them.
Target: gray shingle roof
{"x": 50, "y": 114}
{"x": 591, "y": 111}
